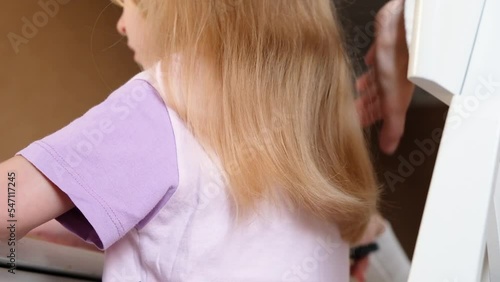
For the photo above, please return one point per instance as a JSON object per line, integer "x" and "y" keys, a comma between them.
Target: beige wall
{"x": 69, "y": 64}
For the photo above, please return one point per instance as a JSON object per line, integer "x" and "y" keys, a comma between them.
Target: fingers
{"x": 358, "y": 270}
{"x": 365, "y": 82}
{"x": 389, "y": 60}
{"x": 396, "y": 99}
{"x": 368, "y": 104}
{"x": 369, "y": 112}
{"x": 368, "y": 109}
{"x": 391, "y": 133}
{"x": 371, "y": 55}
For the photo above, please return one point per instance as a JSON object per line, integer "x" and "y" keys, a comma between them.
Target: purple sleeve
{"x": 117, "y": 163}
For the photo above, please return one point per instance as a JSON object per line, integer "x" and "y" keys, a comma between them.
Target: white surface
{"x": 443, "y": 35}
{"x": 450, "y": 245}
{"x": 390, "y": 262}
{"x": 409, "y": 19}
{"x": 453, "y": 232}
{"x": 420, "y": 98}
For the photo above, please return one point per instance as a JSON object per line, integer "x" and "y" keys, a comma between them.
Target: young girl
{"x": 237, "y": 156}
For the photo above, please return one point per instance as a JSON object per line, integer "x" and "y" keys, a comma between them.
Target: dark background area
{"x": 406, "y": 175}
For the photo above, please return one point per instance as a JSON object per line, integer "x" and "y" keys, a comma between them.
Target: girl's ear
{"x": 118, "y": 2}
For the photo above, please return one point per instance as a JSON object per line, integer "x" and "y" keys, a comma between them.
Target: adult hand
{"x": 385, "y": 90}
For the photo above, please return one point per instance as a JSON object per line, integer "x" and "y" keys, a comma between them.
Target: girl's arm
{"x": 28, "y": 197}
{"x": 93, "y": 174}
{"x": 54, "y": 232}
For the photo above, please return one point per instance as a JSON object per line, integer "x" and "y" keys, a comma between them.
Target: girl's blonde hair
{"x": 276, "y": 105}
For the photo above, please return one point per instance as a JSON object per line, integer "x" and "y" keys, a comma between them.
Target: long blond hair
{"x": 277, "y": 108}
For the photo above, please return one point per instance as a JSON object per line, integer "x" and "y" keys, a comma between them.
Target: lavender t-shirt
{"x": 117, "y": 163}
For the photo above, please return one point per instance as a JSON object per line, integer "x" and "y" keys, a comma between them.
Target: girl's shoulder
{"x": 153, "y": 77}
